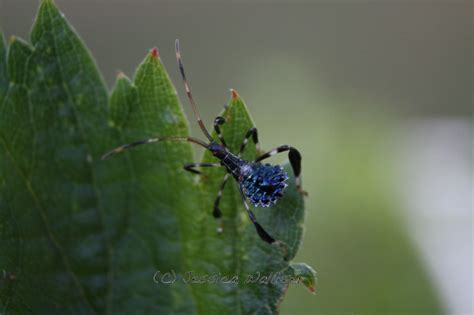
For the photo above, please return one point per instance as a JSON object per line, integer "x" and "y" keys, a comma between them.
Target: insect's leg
{"x": 217, "y": 122}
{"x": 217, "y": 211}
{"x": 261, "y": 232}
{"x": 252, "y": 132}
{"x": 125, "y": 147}
{"x": 191, "y": 166}
{"x": 295, "y": 160}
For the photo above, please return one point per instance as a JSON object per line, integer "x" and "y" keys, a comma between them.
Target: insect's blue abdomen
{"x": 263, "y": 184}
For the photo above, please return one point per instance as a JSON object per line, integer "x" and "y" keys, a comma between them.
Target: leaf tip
{"x": 121, "y": 75}
{"x": 305, "y": 275}
{"x": 154, "y": 53}
{"x": 234, "y": 94}
{"x": 48, "y": 2}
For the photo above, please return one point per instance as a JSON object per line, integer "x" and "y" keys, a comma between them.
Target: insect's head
{"x": 217, "y": 150}
{"x": 263, "y": 184}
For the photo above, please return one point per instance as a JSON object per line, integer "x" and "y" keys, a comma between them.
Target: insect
{"x": 261, "y": 184}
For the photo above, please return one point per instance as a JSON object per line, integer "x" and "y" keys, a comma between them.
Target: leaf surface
{"x": 83, "y": 236}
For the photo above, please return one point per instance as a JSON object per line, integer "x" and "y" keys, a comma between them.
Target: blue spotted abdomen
{"x": 263, "y": 184}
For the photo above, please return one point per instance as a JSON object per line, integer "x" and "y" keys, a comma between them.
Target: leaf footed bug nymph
{"x": 261, "y": 184}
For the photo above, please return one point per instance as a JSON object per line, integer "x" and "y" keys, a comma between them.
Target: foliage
{"x": 80, "y": 235}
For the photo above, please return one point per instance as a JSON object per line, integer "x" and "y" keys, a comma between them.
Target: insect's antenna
{"x": 125, "y": 147}
{"x": 188, "y": 92}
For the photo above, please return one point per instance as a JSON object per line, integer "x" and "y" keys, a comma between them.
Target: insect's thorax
{"x": 234, "y": 164}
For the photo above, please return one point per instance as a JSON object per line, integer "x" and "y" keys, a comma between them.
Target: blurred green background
{"x": 377, "y": 95}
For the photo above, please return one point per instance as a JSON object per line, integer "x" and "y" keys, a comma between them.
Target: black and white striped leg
{"x": 190, "y": 167}
{"x": 217, "y": 213}
{"x": 125, "y": 147}
{"x": 218, "y": 122}
{"x": 252, "y": 132}
{"x": 261, "y": 232}
{"x": 295, "y": 160}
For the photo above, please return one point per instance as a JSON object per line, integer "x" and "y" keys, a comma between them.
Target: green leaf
{"x": 81, "y": 235}
{"x": 52, "y": 119}
{"x": 161, "y": 195}
{"x": 241, "y": 252}
{"x": 3, "y": 69}
{"x": 304, "y": 274}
